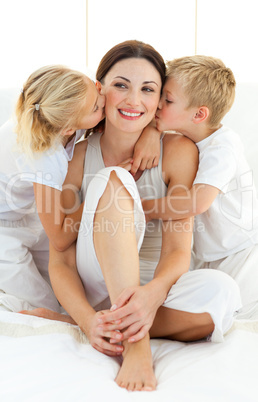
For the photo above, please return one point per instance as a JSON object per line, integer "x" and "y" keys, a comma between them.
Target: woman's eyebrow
{"x": 144, "y": 82}
{"x": 150, "y": 82}
{"x": 123, "y": 78}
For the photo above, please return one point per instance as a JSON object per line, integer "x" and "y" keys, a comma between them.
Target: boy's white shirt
{"x": 231, "y": 222}
{"x": 18, "y": 172}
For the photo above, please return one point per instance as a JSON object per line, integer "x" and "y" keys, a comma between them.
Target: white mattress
{"x": 43, "y": 360}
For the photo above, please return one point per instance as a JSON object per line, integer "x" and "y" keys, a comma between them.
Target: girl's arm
{"x": 147, "y": 149}
{"x": 61, "y": 219}
{"x": 181, "y": 203}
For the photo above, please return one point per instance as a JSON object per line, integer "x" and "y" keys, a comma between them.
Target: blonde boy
{"x": 198, "y": 92}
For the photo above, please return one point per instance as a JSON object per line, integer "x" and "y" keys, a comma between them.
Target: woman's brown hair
{"x": 126, "y": 50}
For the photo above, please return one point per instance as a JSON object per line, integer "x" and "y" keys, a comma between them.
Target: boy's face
{"x": 172, "y": 113}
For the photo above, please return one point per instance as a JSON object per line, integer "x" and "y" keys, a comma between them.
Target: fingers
{"x": 127, "y": 164}
{"x": 105, "y": 347}
{"x": 138, "y": 336}
{"x": 122, "y": 299}
{"x": 135, "y": 165}
{"x": 115, "y": 316}
{"x": 141, "y": 163}
{"x": 114, "y": 336}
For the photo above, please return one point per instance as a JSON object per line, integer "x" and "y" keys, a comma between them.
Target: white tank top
{"x": 150, "y": 185}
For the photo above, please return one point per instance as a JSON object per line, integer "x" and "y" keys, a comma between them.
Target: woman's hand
{"x": 105, "y": 337}
{"x": 100, "y": 335}
{"x": 136, "y": 307}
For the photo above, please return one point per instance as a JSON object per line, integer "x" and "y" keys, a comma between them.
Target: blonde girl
{"x": 54, "y": 108}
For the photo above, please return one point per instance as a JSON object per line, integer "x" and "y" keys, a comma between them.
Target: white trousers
{"x": 243, "y": 267}
{"x": 209, "y": 291}
{"x": 24, "y": 279}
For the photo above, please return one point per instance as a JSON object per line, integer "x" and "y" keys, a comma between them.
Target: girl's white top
{"x": 18, "y": 172}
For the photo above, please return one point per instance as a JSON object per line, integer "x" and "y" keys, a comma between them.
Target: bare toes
{"x": 138, "y": 386}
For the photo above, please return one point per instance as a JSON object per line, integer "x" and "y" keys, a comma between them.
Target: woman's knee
{"x": 115, "y": 199}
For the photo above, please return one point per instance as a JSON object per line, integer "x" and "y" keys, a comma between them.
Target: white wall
{"x": 227, "y": 29}
{"x": 39, "y": 32}
{"x": 35, "y": 33}
{"x": 168, "y": 25}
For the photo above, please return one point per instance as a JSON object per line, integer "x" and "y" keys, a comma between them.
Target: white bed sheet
{"x": 43, "y": 360}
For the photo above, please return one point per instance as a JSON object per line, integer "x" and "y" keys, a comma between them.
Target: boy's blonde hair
{"x": 50, "y": 102}
{"x": 206, "y": 81}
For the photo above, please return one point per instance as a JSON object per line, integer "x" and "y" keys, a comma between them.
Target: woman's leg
{"x": 180, "y": 325}
{"x": 118, "y": 257}
{"x": 201, "y": 303}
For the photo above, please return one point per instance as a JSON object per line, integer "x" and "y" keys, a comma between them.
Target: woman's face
{"x": 132, "y": 91}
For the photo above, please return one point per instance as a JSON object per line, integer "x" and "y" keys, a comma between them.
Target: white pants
{"x": 24, "y": 279}
{"x": 200, "y": 291}
{"x": 243, "y": 267}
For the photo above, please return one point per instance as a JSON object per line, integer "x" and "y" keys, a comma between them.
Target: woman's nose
{"x": 133, "y": 98}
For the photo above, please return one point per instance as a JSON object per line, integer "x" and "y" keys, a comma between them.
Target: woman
{"x": 151, "y": 292}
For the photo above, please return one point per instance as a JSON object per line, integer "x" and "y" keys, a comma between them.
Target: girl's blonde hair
{"x": 206, "y": 81}
{"x": 50, "y": 102}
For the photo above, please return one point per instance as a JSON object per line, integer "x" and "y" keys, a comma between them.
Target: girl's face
{"x": 132, "y": 91}
{"x": 93, "y": 110}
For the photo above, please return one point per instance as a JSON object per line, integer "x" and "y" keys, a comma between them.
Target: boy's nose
{"x": 160, "y": 104}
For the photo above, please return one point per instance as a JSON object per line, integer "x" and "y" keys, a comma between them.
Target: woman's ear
{"x": 99, "y": 87}
{"x": 201, "y": 115}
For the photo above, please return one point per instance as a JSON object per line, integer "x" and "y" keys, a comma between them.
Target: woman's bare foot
{"x": 49, "y": 314}
{"x": 136, "y": 372}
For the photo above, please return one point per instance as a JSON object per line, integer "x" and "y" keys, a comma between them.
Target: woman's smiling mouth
{"x": 130, "y": 114}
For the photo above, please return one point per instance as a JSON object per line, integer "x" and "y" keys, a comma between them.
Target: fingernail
{"x": 131, "y": 340}
{"x": 114, "y": 307}
{"x": 100, "y": 321}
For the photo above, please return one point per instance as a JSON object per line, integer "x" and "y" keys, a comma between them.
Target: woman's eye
{"x": 148, "y": 89}
{"x": 120, "y": 85}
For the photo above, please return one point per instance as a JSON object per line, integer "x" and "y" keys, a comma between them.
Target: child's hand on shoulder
{"x": 147, "y": 150}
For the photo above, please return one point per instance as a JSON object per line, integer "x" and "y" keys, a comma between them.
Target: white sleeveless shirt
{"x": 150, "y": 185}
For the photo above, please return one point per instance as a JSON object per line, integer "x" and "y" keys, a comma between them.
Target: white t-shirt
{"x": 18, "y": 172}
{"x": 231, "y": 222}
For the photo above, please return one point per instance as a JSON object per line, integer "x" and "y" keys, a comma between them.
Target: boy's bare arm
{"x": 181, "y": 203}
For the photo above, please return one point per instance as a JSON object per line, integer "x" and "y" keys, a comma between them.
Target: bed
{"x": 43, "y": 360}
